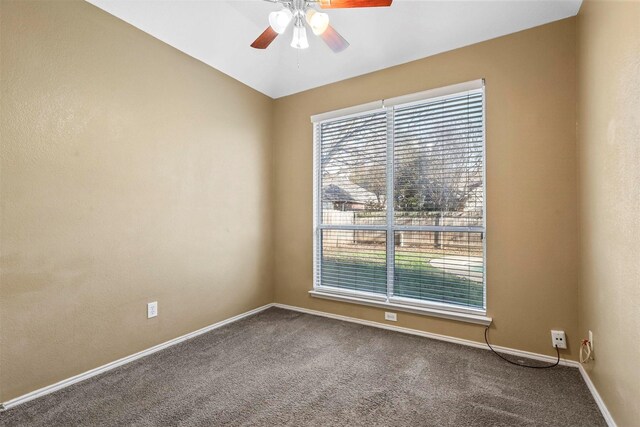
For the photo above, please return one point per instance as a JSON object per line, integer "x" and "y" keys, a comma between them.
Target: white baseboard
{"x": 596, "y": 396}
{"x": 109, "y": 366}
{"x": 518, "y": 353}
{"x": 469, "y": 343}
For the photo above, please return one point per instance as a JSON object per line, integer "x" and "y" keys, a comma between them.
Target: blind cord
{"x": 486, "y": 339}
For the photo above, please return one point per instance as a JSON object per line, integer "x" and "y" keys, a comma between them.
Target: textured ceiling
{"x": 219, "y": 34}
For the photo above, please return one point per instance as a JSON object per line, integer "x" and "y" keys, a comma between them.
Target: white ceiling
{"x": 219, "y": 33}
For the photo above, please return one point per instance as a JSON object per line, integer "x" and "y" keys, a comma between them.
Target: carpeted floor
{"x": 285, "y": 368}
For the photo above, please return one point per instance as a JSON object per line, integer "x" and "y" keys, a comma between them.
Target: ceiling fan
{"x": 301, "y": 11}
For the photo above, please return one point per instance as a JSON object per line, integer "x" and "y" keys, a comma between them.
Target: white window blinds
{"x": 353, "y": 175}
{"x": 399, "y": 201}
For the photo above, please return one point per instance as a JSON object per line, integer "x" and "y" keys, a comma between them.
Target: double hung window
{"x": 399, "y": 198}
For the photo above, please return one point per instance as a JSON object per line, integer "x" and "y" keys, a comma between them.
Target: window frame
{"x": 433, "y": 308}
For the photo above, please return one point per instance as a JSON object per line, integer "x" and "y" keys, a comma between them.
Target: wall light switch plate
{"x": 558, "y": 339}
{"x": 390, "y": 316}
{"x": 152, "y": 309}
{"x": 591, "y": 339}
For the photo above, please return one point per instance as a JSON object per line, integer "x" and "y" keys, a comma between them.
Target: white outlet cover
{"x": 559, "y": 339}
{"x": 390, "y": 316}
{"x": 591, "y": 339}
{"x": 152, "y": 309}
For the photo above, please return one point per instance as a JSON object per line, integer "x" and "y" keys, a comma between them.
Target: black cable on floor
{"x": 486, "y": 339}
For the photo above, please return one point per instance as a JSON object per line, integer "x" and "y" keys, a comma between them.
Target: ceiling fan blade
{"x": 337, "y": 4}
{"x": 334, "y": 40}
{"x": 265, "y": 39}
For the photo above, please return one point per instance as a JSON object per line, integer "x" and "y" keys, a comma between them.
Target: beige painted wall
{"x": 116, "y": 183}
{"x": 128, "y": 174}
{"x": 609, "y": 199}
{"x": 531, "y": 182}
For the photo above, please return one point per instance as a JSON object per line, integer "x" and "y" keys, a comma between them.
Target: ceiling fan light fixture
{"x": 318, "y": 21}
{"x": 279, "y": 20}
{"x": 299, "y": 40}
{"x": 305, "y": 12}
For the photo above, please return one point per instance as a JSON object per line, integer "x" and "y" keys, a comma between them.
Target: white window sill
{"x": 479, "y": 319}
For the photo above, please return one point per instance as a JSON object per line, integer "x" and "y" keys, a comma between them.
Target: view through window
{"x": 400, "y": 203}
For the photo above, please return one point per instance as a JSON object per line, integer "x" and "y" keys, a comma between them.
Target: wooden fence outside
{"x": 417, "y": 239}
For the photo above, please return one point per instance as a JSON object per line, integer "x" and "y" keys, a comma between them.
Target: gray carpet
{"x": 284, "y": 368}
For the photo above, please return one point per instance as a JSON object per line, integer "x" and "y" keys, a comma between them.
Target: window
{"x": 399, "y": 201}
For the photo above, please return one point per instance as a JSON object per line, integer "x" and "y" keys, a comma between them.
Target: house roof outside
{"x": 338, "y": 188}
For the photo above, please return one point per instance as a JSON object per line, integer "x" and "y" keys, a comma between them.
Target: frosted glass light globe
{"x": 318, "y": 21}
{"x": 280, "y": 20}
{"x": 299, "y": 40}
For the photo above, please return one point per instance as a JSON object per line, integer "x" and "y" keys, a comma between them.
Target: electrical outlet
{"x": 390, "y": 316}
{"x": 558, "y": 339}
{"x": 591, "y": 339}
{"x": 152, "y": 309}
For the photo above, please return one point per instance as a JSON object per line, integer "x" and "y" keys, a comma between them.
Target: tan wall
{"x": 609, "y": 199}
{"x": 532, "y": 262}
{"x": 129, "y": 174}
{"x": 117, "y": 161}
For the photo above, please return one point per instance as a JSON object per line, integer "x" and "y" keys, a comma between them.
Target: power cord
{"x": 486, "y": 339}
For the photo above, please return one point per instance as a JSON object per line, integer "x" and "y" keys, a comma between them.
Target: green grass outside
{"x": 414, "y": 277}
